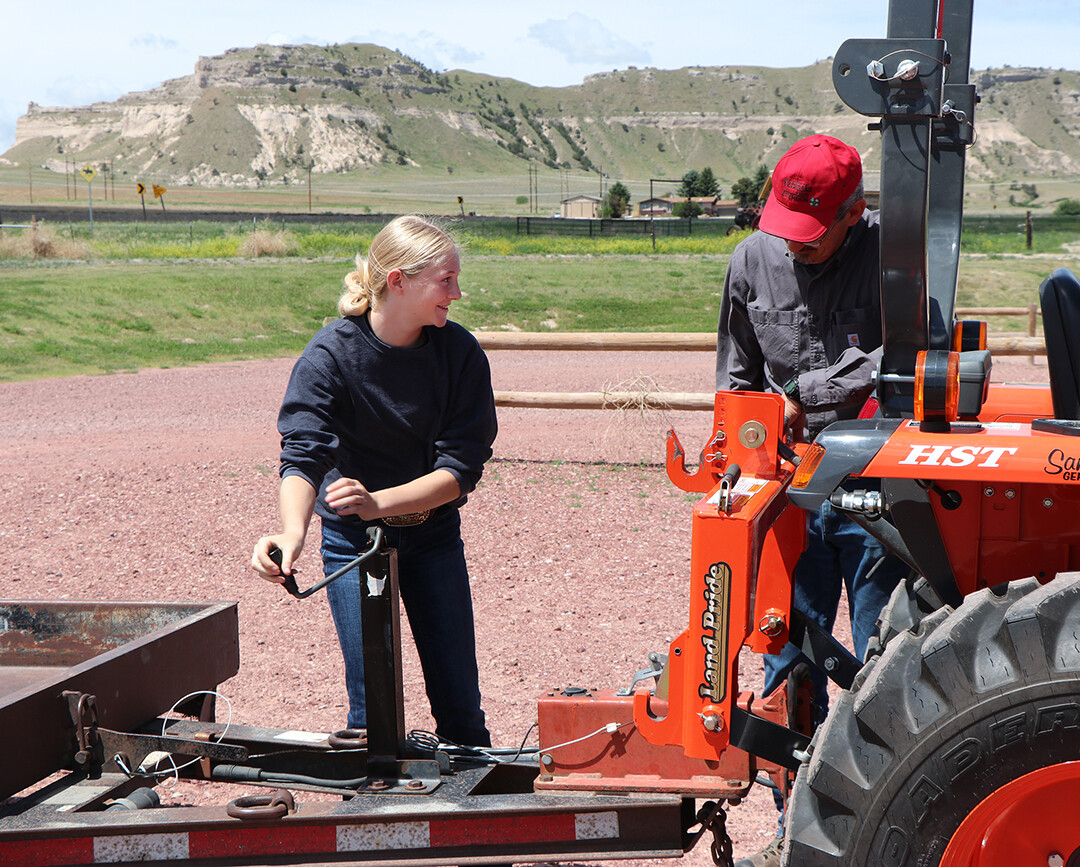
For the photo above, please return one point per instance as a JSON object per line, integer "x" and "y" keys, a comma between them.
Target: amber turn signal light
{"x": 809, "y": 463}
{"x": 937, "y": 389}
{"x": 968, "y": 335}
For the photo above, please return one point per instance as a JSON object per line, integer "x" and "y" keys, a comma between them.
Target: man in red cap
{"x": 801, "y": 316}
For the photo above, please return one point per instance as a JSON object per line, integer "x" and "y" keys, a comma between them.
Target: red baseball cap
{"x": 810, "y": 183}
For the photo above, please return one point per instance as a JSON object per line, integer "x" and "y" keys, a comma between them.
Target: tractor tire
{"x": 911, "y": 600}
{"x": 963, "y": 703}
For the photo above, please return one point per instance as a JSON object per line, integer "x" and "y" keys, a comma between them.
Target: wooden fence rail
{"x": 637, "y": 341}
{"x": 599, "y": 341}
{"x": 610, "y": 341}
{"x": 669, "y": 400}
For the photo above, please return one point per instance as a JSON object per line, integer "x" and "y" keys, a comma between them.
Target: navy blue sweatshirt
{"x": 385, "y": 415}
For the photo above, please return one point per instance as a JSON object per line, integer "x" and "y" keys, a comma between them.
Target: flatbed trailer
{"x": 88, "y": 695}
{"x": 481, "y": 815}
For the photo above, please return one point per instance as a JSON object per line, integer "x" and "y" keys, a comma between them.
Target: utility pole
{"x": 88, "y": 173}
{"x": 652, "y": 206}
{"x": 534, "y": 190}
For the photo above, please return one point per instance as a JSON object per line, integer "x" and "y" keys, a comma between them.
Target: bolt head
{"x": 713, "y": 722}
{"x": 771, "y": 624}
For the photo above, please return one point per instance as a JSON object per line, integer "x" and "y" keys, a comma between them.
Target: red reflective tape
{"x": 263, "y": 840}
{"x": 503, "y": 829}
{"x": 47, "y": 853}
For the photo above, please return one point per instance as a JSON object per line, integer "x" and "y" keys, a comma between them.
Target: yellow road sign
{"x": 141, "y": 188}
{"x": 88, "y": 172}
{"x": 158, "y": 191}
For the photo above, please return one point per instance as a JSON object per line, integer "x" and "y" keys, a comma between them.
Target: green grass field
{"x": 182, "y": 294}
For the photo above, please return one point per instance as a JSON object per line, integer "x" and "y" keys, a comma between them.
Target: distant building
{"x": 711, "y": 206}
{"x": 727, "y": 208}
{"x": 654, "y": 208}
{"x": 706, "y": 203}
{"x": 581, "y": 207}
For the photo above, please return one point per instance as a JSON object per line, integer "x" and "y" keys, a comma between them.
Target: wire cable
{"x": 493, "y": 754}
{"x": 496, "y": 755}
{"x": 175, "y": 770}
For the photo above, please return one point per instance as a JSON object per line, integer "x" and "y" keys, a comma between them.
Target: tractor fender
{"x": 849, "y": 446}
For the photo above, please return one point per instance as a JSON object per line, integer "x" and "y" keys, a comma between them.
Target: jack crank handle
{"x": 290, "y": 580}
{"x": 375, "y": 536}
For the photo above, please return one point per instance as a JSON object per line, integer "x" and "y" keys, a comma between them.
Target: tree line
{"x": 695, "y": 184}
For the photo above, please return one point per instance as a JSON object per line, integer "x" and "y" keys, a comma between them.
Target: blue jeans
{"x": 434, "y": 586}
{"x": 838, "y": 554}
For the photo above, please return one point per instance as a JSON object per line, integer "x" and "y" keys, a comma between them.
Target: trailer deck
{"x": 86, "y": 694}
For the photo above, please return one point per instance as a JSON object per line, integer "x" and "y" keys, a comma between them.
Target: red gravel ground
{"x": 154, "y": 486}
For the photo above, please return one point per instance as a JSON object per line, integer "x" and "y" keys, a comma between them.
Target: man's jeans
{"x": 434, "y": 586}
{"x": 838, "y": 553}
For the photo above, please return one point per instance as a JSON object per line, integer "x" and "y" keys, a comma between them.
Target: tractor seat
{"x": 1059, "y": 297}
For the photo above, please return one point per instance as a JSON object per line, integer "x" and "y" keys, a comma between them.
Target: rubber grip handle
{"x": 290, "y": 580}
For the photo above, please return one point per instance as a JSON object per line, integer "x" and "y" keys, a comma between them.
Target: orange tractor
{"x": 956, "y": 741}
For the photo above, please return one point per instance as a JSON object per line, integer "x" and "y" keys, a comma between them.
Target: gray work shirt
{"x": 779, "y": 319}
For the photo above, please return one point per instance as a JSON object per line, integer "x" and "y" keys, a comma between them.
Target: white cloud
{"x": 9, "y": 113}
{"x": 80, "y": 90}
{"x": 431, "y": 49}
{"x": 438, "y": 53}
{"x": 153, "y": 42}
{"x": 581, "y": 39}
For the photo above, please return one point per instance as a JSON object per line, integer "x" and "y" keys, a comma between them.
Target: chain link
{"x": 713, "y": 818}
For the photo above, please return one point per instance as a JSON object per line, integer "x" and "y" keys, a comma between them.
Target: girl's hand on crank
{"x": 349, "y": 497}
{"x": 262, "y": 563}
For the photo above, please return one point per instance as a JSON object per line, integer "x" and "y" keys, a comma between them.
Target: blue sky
{"x": 74, "y": 53}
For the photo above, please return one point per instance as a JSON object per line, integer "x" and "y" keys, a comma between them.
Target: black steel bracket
{"x": 390, "y": 766}
{"x": 768, "y": 740}
{"x": 838, "y": 663}
{"x": 887, "y": 94}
